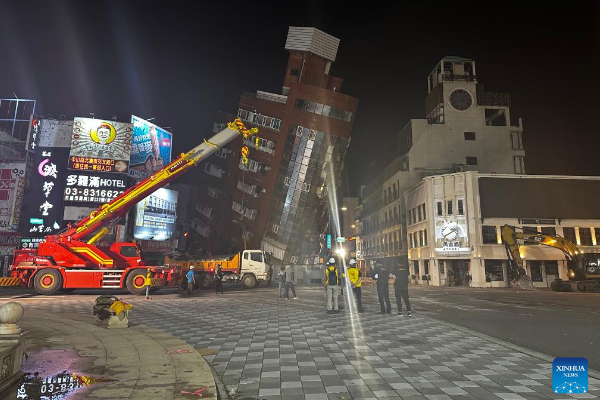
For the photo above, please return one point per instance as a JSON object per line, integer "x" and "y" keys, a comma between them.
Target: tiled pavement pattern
{"x": 269, "y": 348}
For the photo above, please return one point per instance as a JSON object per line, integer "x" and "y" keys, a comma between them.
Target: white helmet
{"x": 191, "y": 267}
{"x": 331, "y": 261}
{"x": 352, "y": 261}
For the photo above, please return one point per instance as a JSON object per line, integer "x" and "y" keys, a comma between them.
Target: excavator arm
{"x": 97, "y": 224}
{"x": 511, "y": 237}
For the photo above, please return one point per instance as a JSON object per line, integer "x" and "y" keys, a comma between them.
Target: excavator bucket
{"x": 523, "y": 282}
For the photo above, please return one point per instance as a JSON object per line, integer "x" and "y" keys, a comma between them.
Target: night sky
{"x": 180, "y": 64}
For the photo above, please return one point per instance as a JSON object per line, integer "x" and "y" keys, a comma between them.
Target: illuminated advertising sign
{"x": 155, "y": 216}
{"x": 150, "y": 148}
{"x": 12, "y": 184}
{"x": 451, "y": 236}
{"x": 45, "y": 197}
{"x": 93, "y": 188}
{"x": 101, "y": 146}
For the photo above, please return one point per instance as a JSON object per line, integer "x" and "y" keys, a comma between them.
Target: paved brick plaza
{"x": 270, "y": 348}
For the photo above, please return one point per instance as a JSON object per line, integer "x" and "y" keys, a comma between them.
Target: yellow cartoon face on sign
{"x": 103, "y": 134}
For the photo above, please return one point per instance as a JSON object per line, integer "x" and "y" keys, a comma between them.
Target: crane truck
{"x": 583, "y": 268}
{"x": 72, "y": 260}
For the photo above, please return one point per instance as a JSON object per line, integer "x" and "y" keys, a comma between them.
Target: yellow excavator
{"x": 583, "y": 268}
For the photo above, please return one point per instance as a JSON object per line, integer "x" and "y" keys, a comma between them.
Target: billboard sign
{"x": 55, "y": 133}
{"x": 155, "y": 216}
{"x": 150, "y": 148}
{"x": 100, "y": 146}
{"x": 12, "y": 184}
{"x": 45, "y": 197}
{"x": 93, "y": 188}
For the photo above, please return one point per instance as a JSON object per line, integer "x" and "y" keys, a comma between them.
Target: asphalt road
{"x": 554, "y": 323}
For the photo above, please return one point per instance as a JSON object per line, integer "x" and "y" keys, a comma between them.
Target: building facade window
{"x": 471, "y": 161}
{"x": 469, "y": 135}
{"x": 323, "y": 109}
{"x": 459, "y": 207}
{"x": 425, "y": 237}
{"x": 549, "y": 230}
{"x": 585, "y": 236}
{"x": 494, "y": 271}
{"x": 569, "y": 234}
{"x": 440, "y": 208}
{"x": 488, "y": 234}
{"x": 449, "y": 207}
{"x": 536, "y": 270}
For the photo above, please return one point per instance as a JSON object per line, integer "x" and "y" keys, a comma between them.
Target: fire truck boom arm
{"x": 109, "y": 213}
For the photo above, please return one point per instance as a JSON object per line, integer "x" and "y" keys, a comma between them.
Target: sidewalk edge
{"x": 544, "y": 357}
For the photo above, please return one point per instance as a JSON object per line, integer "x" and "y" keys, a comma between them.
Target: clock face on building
{"x": 461, "y": 99}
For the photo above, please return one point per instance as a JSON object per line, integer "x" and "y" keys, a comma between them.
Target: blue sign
{"x": 36, "y": 221}
{"x": 328, "y": 241}
{"x": 150, "y": 148}
{"x": 570, "y": 375}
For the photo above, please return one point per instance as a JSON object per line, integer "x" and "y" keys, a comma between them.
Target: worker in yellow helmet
{"x": 356, "y": 282}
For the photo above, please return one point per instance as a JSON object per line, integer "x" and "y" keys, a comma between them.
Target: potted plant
{"x": 413, "y": 279}
{"x": 425, "y": 279}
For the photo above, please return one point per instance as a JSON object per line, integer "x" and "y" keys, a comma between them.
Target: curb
{"x": 544, "y": 357}
{"x": 222, "y": 393}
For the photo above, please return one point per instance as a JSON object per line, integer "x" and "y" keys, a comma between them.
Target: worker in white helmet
{"x": 356, "y": 282}
{"x": 191, "y": 281}
{"x": 332, "y": 281}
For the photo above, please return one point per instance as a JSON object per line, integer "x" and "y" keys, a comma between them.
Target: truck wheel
{"x": 47, "y": 281}
{"x": 136, "y": 282}
{"x": 204, "y": 282}
{"x": 249, "y": 281}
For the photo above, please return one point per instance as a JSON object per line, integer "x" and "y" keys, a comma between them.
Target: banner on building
{"x": 12, "y": 184}
{"x": 150, "y": 149}
{"x": 55, "y": 133}
{"x": 9, "y": 242}
{"x": 100, "y": 146}
{"x": 96, "y": 187}
{"x": 153, "y": 246}
{"x": 47, "y": 186}
{"x": 155, "y": 216}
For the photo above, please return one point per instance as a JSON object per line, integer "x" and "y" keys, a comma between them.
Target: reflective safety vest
{"x": 329, "y": 272}
{"x": 353, "y": 275}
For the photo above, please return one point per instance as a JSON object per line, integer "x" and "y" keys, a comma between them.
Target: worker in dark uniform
{"x": 401, "y": 289}
{"x": 381, "y": 274}
{"x": 218, "y": 279}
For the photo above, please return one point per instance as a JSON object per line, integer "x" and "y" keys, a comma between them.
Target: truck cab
{"x": 124, "y": 254}
{"x": 255, "y": 265}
